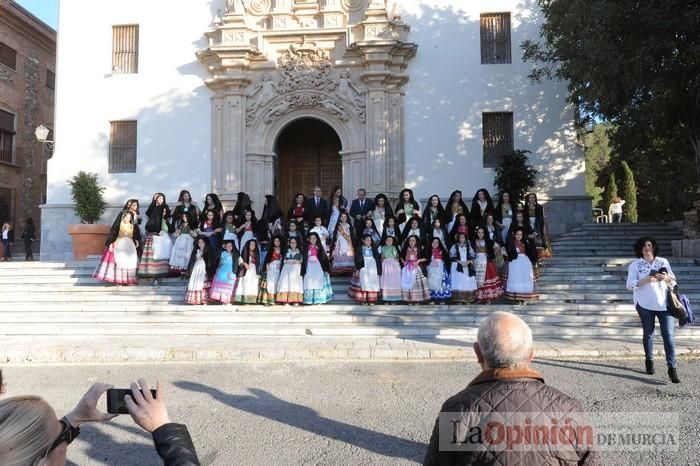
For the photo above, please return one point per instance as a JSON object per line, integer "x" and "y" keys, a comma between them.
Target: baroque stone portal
{"x": 274, "y": 62}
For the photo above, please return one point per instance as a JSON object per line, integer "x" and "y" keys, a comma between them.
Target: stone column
{"x": 260, "y": 178}
{"x": 376, "y": 140}
{"x": 354, "y": 170}
{"x": 396, "y": 168}
{"x": 228, "y": 139}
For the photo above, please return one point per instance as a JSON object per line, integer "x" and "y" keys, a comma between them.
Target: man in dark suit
{"x": 316, "y": 206}
{"x": 359, "y": 209}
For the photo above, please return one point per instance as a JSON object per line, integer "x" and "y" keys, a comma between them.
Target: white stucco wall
{"x": 167, "y": 97}
{"x": 450, "y": 88}
{"x": 447, "y": 92}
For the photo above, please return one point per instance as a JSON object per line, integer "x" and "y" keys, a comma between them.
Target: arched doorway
{"x": 308, "y": 155}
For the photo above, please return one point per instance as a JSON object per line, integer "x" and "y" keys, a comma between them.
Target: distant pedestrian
{"x": 28, "y": 235}
{"x": 505, "y": 394}
{"x": 649, "y": 278}
{"x": 8, "y": 238}
{"x": 615, "y": 210}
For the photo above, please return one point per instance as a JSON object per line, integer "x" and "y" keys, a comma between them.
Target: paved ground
{"x": 336, "y": 413}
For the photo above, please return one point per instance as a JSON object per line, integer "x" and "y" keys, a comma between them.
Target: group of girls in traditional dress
{"x": 440, "y": 254}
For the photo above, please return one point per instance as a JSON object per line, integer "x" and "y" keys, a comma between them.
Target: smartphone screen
{"x": 115, "y": 400}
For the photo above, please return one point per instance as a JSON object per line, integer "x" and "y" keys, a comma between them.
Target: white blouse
{"x": 651, "y": 296}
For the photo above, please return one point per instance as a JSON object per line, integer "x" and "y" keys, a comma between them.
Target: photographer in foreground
{"x": 32, "y": 435}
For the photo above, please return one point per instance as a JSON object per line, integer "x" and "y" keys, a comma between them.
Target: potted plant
{"x": 89, "y": 205}
{"x": 515, "y": 175}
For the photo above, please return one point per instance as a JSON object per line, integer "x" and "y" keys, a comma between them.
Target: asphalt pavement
{"x": 335, "y": 413}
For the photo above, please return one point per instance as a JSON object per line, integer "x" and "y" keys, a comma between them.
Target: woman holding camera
{"x": 649, "y": 277}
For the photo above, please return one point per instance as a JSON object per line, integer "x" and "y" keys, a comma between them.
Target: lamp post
{"x": 42, "y": 135}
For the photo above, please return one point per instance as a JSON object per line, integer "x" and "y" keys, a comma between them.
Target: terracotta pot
{"x": 88, "y": 240}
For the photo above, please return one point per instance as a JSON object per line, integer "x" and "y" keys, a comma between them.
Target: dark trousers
{"x": 28, "y": 248}
{"x": 616, "y": 218}
{"x": 667, "y": 323}
{"x": 6, "y": 245}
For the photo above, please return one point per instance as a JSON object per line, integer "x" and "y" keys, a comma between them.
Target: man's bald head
{"x": 504, "y": 340}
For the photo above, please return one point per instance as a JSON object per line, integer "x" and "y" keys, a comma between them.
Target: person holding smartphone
{"x": 649, "y": 277}
{"x": 31, "y": 433}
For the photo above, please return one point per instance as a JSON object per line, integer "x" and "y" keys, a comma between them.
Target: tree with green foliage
{"x": 636, "y": 65}
{"x": 515, "y": 175}
{"x": 629, "y": 193}
{"x": 598, "y": 150}
{"x": 609, "y": 193}
{"x": 89, "y": 203}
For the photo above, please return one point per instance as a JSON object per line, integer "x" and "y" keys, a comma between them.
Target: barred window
{"x": 8, "y": 56}
{"x": 498, "y": 137}
{"x": 495, "y": 38}
{"x": 7, "y": 136}
{"x": 6, "y": 211}
{"x": 122, "y": 147}
{"x": 125, "y": 49}
{"x": 50, "y": 80}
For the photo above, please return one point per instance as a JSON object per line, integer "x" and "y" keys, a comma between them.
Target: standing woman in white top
{"x": 649, "y": 278}
{"x": 615, "y": 210}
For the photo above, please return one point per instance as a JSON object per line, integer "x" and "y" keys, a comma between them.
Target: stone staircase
{"x": 57, "y": 312}
{"x": 613, "y": 239}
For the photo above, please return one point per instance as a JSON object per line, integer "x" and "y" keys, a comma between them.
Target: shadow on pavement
{"x": 100, "y": 445}
{"x": 572, "y": 365}
{"x": 263, "y": 403}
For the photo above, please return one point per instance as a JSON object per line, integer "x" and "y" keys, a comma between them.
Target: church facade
{"x": 277, "y": 96}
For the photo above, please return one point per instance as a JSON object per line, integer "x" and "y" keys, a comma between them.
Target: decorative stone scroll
{"x": 259, "y": 7}
{"x": 353, "y": 5}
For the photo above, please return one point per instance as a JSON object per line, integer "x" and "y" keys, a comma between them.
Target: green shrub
{"x": 89, "y": 204}
{"x": 629, "y": 193}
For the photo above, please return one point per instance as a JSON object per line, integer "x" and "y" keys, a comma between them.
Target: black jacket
{"x": 28, "y": 233}
{"x": 174, "y": 445}
{"x": 311, "y": 211}
{"x": 11, "y": 235}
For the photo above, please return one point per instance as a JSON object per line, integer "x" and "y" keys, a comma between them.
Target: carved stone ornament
{"x": 352, "y": 5}
{"x": 259, "y": 7}
{"x": 307, "y": 100}
{"x": 304, "y": 67}
{"x": 305, "y": 82}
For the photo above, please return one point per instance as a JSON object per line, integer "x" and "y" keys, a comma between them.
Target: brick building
{"x": 27, "y": 82}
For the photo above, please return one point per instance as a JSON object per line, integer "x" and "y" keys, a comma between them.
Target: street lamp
{"x": 42, "y": 135}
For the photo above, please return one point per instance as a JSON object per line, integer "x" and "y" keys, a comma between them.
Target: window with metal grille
{"x": 50, "y": 80}
{"x": 7, "y": 137}
{"x": 495, "y": 38}
{"x": 125, "y": 49}
{"x": 122, "y": 147}
{"x": 6, "y": 213}
{"x": 498, "y": 137}
{"x": 8, "y": 56}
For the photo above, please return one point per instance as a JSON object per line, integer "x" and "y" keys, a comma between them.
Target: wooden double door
{"x": 308, "y": 155}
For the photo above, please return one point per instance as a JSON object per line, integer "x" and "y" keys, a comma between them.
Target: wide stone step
{"x": 98, "y": 319}
{"x": 569, "y": 330}
{"x": 539, "y": 307}
{"x": 565, "y": 296}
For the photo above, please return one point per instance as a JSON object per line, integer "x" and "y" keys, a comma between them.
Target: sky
{"x": 45, "y": 10}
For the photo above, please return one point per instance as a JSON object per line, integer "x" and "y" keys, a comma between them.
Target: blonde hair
{"x": 25, "y": 432}
{"x": 615, "y": 200}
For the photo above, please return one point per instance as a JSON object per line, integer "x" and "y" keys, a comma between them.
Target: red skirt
{"x": 492, "y": 288}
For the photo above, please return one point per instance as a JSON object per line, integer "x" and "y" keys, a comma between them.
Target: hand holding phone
{"x": 116, "y": 403}
{"x": 147, "y": 408}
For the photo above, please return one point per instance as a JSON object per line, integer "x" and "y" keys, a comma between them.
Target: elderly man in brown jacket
{"x": 507, "y": 415}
